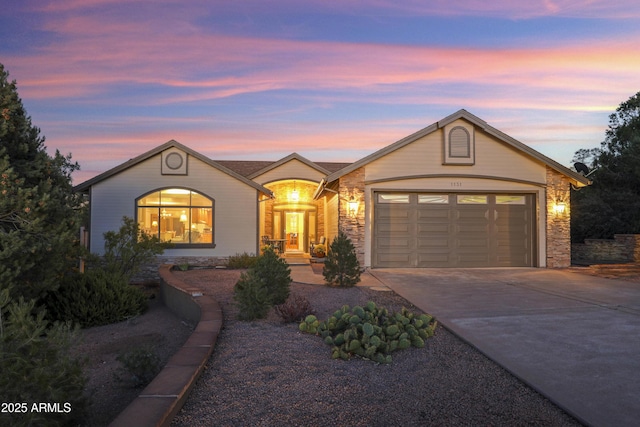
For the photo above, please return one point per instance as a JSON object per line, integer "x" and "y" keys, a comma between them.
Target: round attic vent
{"x": 174, "y": 161}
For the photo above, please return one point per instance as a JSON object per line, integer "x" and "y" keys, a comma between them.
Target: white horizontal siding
{"x": 425, "y": 157}
{"x": 235, "y": 213}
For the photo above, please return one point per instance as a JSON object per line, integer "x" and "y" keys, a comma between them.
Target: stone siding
{"x": 558, "y": 226}
{"x": 352, "y": 185}
{"x": 149, "y": 272}
{"x": 623, "y": 248}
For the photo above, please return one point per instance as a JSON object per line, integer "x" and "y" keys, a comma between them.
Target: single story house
{"x": 458, "y": 193}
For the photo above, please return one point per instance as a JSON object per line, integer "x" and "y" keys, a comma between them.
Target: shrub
{"x": 128, "y": 249}
{"x": 341, "y": 268}
{"x": 36, "y": 366}
{"x": 370, "y": 332}
{"x": 95, "y": 298}
{"x": 294, "y": 309}
{"x": 252, "y": 296}
{"x": 276, "y": 275}
{"x": 243, "y": 260}
{"x": 139, "y": 367}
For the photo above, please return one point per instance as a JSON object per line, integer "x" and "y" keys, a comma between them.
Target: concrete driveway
{"x": 575, "y": 338}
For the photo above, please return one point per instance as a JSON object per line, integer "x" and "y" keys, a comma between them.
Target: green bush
{"x": 243, "y": 260}
{"x": 252, "y": 296}
{"x": 275, "y": 274}
{"x": 370, "y": 332}
{"x": 129, "y": 248}
{"x": 341, "y": 268}
{"x": 95, "y": 298}
{"x": 139, "y": 367}
{"x": 265, "y": 284}
{"x": 35, "y": 366}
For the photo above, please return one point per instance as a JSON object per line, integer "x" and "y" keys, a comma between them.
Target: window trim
{"x": 179, "y": 245}
{"x": 453, "y": 158}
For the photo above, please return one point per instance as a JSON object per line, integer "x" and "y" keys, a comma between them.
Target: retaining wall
{"x": 161, "y": 400}
{"x": 623, "y": 248}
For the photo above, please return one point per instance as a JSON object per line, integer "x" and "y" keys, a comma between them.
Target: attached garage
{"x": 414, "y": 229}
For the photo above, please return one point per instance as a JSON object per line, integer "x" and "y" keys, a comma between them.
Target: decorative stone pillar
{"x": 351, "y": 209}
{"x": 558, "y": 221}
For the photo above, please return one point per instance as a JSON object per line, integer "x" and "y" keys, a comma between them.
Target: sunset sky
{"x": 107, "y": 80}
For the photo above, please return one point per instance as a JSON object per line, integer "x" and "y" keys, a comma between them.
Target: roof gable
{"x": 287, "y": 159}
{"x": 482, "y": 125}
{"x": 158, "y": 150}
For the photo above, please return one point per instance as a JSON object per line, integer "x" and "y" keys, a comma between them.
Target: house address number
{"x": 456, "y": 183}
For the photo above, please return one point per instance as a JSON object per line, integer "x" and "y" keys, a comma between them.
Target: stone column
{"x": 351, "y": 187}
{"x": 558, "y": 225}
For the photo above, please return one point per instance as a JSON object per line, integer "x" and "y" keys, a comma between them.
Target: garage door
{"x": 453, "y": 230}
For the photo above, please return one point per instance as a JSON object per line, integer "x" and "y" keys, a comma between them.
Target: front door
{"x": 294, "y": 231}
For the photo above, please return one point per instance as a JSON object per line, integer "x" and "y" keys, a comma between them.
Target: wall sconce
{"x": 353, "y": 207}
{"x": 183, "y": 217}
{"x": 559, "y": 208}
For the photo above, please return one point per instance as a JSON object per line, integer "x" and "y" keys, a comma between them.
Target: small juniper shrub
{"x": 276, "y": 275}
{"x": 138, "y": 367}
{"x": 97, "y": 297}
{"x": 243, "y": 260}
{"x": 252, "y": 296}
{"x": 260, "y": 287}
{"x": 341, "y": 267}
{"x": 294, "y": 309}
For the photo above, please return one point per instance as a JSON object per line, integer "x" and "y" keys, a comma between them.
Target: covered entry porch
{"x": 292, "y": 220}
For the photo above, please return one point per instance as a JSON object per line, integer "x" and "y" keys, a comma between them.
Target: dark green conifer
{"x": 341, "y": 268}
{"x": 39, "y": 217}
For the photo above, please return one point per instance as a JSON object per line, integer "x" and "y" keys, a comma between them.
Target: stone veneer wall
{"x": 558, "y": 226}
{"x": 149, "y": 272}
{"x": 352, "y": 184}
{"x": 623, "y": 248}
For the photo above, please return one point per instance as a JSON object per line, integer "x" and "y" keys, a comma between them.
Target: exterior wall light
{"x": 353, "y": 207}
{"x": 559, "y": 208}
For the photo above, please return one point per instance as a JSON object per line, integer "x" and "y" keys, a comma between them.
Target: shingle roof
{"x": 248, "y": 168}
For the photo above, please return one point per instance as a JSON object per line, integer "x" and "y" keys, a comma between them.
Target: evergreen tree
{"x": 611, "y": 205}
{"x": 39, "y": 217}
{"x": 341, "y": 268}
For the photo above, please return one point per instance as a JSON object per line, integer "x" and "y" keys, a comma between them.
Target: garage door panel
{"x": 395, "y": 243}
{"x": 388, "y": 229}
{"x": 458, "y": 231}
{"x": 434, "y": 261}
{"x": 433, "y": 214}
{"x": 437, "y": 242}
{"x": 472, "y": 244}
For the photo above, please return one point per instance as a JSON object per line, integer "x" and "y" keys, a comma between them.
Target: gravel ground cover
{"x": 266, "y": 373}
{"x": 157, "y": 329}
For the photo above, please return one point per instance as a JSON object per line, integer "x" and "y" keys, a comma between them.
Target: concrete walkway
{"x": 575, "y": 338}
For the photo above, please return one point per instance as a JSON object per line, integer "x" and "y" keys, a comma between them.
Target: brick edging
{"x": 161, "y": 400}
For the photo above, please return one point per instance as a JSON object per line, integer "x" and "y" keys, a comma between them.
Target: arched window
{"x": 177, "y": 215}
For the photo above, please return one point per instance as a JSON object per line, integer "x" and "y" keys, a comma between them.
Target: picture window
{"x": 177, "y": 215}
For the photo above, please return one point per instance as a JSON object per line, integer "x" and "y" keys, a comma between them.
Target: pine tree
{"x": 39, "y": 217}
{"x": 341, "y": 268}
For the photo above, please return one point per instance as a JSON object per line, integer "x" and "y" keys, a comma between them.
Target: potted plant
{"x": 319, "y": 251}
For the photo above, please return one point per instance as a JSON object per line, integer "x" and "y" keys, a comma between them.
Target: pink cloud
{"x": 245, "y": 65}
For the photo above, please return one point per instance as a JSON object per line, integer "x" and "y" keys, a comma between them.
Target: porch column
{"x": 558, "y": 220}
{"x": 351, "y": 210}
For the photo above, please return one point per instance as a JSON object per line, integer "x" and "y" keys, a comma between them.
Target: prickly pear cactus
{"x": 370, "y": 332}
